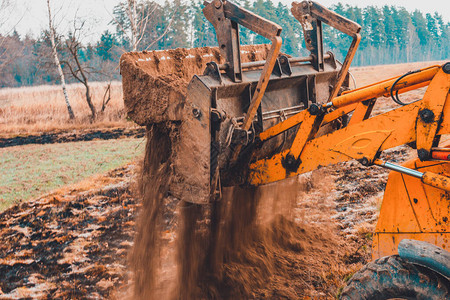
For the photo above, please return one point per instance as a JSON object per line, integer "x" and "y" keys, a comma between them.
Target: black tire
{"x": 392, "y": 277}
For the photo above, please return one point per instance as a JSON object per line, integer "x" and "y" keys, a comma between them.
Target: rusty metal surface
{"x": 303, "y": 87}
{"x": 311, "y": 15}
{"x": 227, "y": 33}
{"x": 225, "y": 17}
{"x": 291, "y": 60}
{"x": 325, "y": 15}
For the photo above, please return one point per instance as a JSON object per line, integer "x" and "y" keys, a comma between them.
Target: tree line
{"x": 390, "y": 34}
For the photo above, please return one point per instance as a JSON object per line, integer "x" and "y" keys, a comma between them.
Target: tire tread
{"x": 391, "y": 276}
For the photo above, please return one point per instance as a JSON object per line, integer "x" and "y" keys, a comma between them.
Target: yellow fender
{"x": 413, "y": 210}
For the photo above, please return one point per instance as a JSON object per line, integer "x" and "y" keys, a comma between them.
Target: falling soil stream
{"x": 247, "y": 245}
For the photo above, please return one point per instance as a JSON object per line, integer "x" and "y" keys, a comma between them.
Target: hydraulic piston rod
{"x": 429, "y": 178}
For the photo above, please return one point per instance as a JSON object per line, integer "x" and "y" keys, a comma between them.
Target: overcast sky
{"x": 30, "y": 16}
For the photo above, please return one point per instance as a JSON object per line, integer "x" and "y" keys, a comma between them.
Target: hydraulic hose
{"x": 395, "y": 97}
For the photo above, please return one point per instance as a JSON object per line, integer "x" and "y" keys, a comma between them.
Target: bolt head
{"x": 423, "y": 154}
{"x": 217, "y": 4}
{"x": 215, "y": 116}
{"x": 197, "y": 113}
{"x": 446, "y": 68}
{"x": 314, "y": 109}
{"x": 427, "y": 115}
{"x": 364, "y": 161}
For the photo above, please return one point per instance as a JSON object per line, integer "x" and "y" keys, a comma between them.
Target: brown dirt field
{"x": 371, "y": 74}
{"x": 78, "y": 241}
{"x": 71, "y": 243}
{"x": 65, "y": 136}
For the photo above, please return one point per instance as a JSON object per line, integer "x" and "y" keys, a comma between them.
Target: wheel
{"x": 392, "y": 277}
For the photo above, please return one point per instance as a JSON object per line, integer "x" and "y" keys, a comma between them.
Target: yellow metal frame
{"x": 414, "y": 208}
{"x": 364, "y": 137}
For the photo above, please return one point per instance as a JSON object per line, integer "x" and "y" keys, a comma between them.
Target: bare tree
{"x": 413, "y": 42}
{"x": 81, "y": 70}
{"x": 138, "y": 15}
{"x": 77, "y": 69}
{"x": 5, "y": 10}
{"x": 106, "y": 97}
{"x": 4, "y": 4}
{"x": 134, "y": 23}
{"x": 52, "y": 32}
{"x": 7, "y": 52}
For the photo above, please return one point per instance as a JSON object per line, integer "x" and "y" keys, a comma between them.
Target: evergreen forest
{"x": 390, "y": 35}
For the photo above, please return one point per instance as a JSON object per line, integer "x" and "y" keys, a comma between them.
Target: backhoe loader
{"x": 251, "y": 115}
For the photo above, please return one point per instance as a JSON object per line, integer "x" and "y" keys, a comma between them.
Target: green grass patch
{"x": 32, "y": 170}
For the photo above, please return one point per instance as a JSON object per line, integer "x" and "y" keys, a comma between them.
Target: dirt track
{"x": 72, "y": 136}
{"x": 70, "y": 244}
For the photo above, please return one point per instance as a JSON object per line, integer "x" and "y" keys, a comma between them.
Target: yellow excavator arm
{"x": 416, "y": 202}
{"x": 365, "y": 137}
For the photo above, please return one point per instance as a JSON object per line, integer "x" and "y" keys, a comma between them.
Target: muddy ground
{"x": 72, "y": 243}
{"x": 75, "y": 242}
{"x": 72, "y": 136}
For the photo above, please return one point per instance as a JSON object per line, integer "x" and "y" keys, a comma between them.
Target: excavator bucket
{"x": 212, "y": 103}
{"x": 167, "y": 89}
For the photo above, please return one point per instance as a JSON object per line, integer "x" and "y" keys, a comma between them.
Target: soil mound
{"x": 155, "y": 82}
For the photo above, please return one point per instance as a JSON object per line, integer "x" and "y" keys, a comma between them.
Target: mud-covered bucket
{"x": 155, "y": 82}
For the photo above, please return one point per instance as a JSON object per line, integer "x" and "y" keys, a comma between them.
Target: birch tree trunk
{"x": 132, "y": 15}
{"x": 57, "y": 62}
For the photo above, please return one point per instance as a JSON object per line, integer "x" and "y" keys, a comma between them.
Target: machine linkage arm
{"x": 421, "y": 122}
{"x": 225, "y": 17}
{"x": 311, "y": 15}
{"x": 348, "y": 101}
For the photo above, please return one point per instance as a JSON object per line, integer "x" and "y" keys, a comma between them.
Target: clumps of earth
{"x": 71, "y": 243}
{"x": 77, "y": 241}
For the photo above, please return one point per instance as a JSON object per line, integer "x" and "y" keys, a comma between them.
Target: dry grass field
{"x": 42, "y": 108}
{"x": 372, "y": 74}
